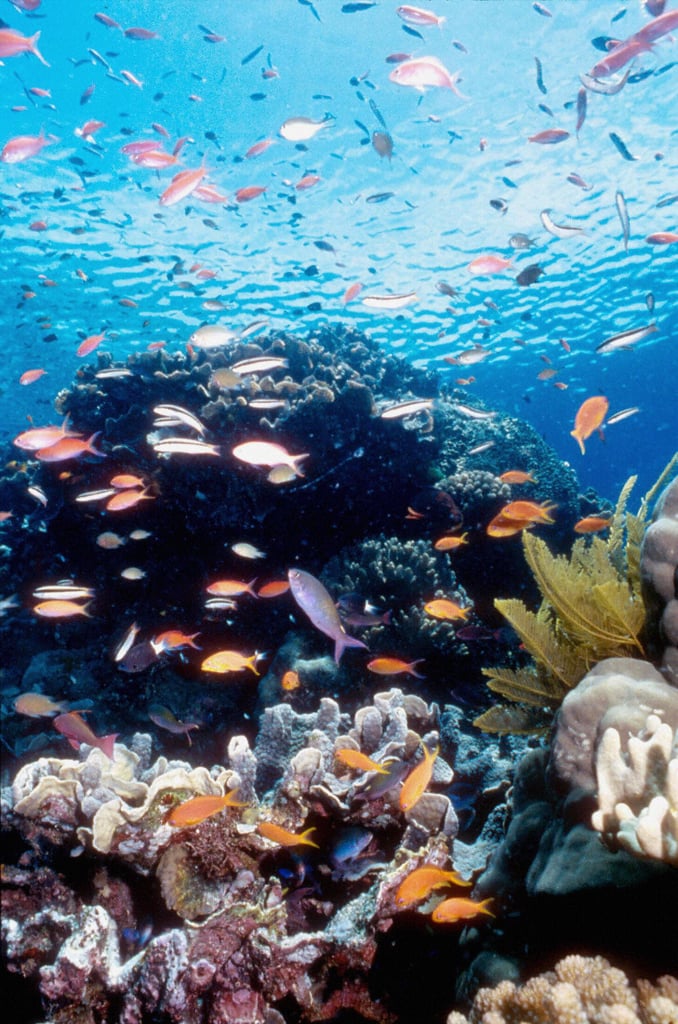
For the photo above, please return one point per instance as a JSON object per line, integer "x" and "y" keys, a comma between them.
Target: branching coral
{"x": 591, "y": 609}
{"x": 401, "y": 576}
{"x": 638, "y": 794}
{"x": 579, "y": 990}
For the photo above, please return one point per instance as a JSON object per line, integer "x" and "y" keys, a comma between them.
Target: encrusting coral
{"x": 579, "y": 990}
{"x": 659, "y": 572}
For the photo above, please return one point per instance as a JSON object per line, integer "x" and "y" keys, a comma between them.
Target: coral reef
{"x": 659, "y": 571}
{"x": 579, "y": 990}
{"x": 245, "y": 943}
{"x": 638, "y": 794}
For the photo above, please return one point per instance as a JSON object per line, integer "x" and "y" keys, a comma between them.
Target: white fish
{"x": 8, "y": 602}
{"x": 623, "y": 414}
{"x": 113, "y": 373}
{"x": 133, "y": 572}
{"x": 184, "y": 446}
{"x": 485, "y": 446}
{"x": 140, "y": 534}
{"x": 626, "y": 338}
{"x": 180, "y": 415}
{"x": 266, "y": 453}
{"x": 253, "y": 328}
{"x": 608, "y": 88}
{"x": 87, "y": 496}
{"x": 620, "y": 203}
{"x": 213, "y": 336}
{"x": 559, "y": 230}
{"x": 126, "y": 642}
{"x": 267, "y": 403}
{"x": 259, "y": 364}
{"x": 64, "y": 589}
{"x": 37, "y": 493}
{"x": 314, "y": 599}
{"x": 474, "y": 414}
{"x": 301, "y": 129}
{"x": 245, "y": 550}
{"x": 421, "y": 72}
{"x": 389, "y": 301}
{"x": 281, "y": 475}
{"x": 402, "y": 409}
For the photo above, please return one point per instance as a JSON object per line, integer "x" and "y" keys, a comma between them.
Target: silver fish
{"x": 608, "y": 88}
{"x": 620, "y": 203}
{"x": 179, "y": 414}
{"x": 259, "y": 364}
{"x": 64, "y": 590}
{"x": 626, "y": 339}
{"x": 184, "y": 446}
{"x": 389, "y": 301}
{"x": 314, "y": 599}
{"x": 402, "y": 409}
{"x": 474, "y": 414}
{"x": 559, "y": 230}
{"x": 623, "y": 414}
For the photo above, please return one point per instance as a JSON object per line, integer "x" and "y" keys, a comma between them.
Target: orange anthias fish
{"x": 230, "y": 661}
{"x": 421, "y": 882}
{"x": 416, "y": 782}
{"x": 174, "y": 640}
{"x": 181, "y": 186}
{"x": 394, "y": 667}
{"x": 290, "y": 680}
{"x": 69, "y": 448}
{"x": 517, "y": 476}
{"x": 198, "y": 808}
{"x": 501, "y": 526}
{"x": 459, "y": 908}
{"x": 76, "y": 730}
{"x": 443, "y": 608}
{"x": 127, "y": 498}
{"x": 231, "y": 588}
{"x": 59, "y": 608}
{"x": 450, "y": 543}
{"x": 590, "y": 416}
{"x": 356, "y": 759}
{"x": 89, "y": 344}
{"x": 529, "y": 511}
{"x": 592, "y": 524}
{"x": 38, "y": 705}
{"x": 281, "y": 836}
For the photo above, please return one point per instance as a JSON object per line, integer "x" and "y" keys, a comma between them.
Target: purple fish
{"x": 76, "y": 730}
{"x": 314, "y": 599}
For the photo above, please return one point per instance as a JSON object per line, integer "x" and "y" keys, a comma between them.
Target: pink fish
{"x": 21, "y": 147}
{"x": 421, "y": 72}
{"x": 314, "y": 599}
{"x": 41, "y": 437}
{"x": 13, "y": 43}
{"x": 89, "y": 344}
{"x": 69, "y": 448}
{"x": 658, "y": 27}
{"x": 550, "y": 137}
{"x": 418, "y": 17}
{"x": 156, "y": 159}
{"x": 182, "y": 185}
{"x": 76, "y": 730}
{"x": 489, "y": 264}
{"x": 619, "y": 56}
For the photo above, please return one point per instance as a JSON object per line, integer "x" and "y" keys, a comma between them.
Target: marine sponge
{"x": 579, "y": 990}
{"x": 659, "y": 573}
{"x": 638, "y": 793}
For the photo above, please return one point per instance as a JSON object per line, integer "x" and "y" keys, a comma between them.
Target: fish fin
{"x": 306, "y": 841}
{"x": 106, "y": 744}
{"x": 92, "y": 450}
{"x": 575, "y": 435}
{"x": 34, "y": 49}
{"x": 342, "y": 642}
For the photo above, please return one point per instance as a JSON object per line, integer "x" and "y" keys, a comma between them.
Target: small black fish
{"x": 257, "y": 96}
{"x": 379, "y": 197}
{"x": 509, "y": 183}
{"x": 540, "y": 80}
{"x": 603, "y": 43}
{"x": 668, "y": 201}
{"x": 618, "y": 16}
{"x": 356, "y": 7}
{"x": 377, "y": 113}
{"x": 411, "y": 31}
{"x": 665, "y": 67}
{"x": 530, "y": 275}
{"x": 622, "y": 147}
{"x": 546, "y": 110}
{"x": 322, "y": 244}
{"x": 499, "y": 204}
{"x": 640, "y": 76}
{"x": 250, "y": 56}
{"x": 311, "y": 270}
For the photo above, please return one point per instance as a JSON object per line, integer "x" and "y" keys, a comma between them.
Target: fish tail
{"x": 304, "y": 838}
{"x": 579, "y": 441}
{"x": 33, "y": 47}
{"x": 90, "y": 443}
{"x": 342, "y": 642}
{"x": 418, "y": 675}
{"x": 297, "y": 458}
{"x": 106, "y": 744}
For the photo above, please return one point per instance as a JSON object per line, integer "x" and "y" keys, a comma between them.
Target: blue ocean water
{"x": 461, "y": 180}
